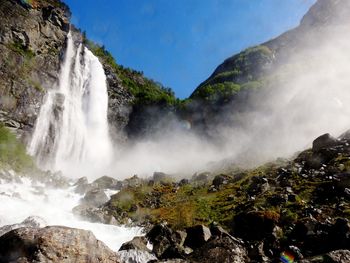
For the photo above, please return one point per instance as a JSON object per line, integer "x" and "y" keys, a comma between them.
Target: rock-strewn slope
{"x": 299, "y": 206}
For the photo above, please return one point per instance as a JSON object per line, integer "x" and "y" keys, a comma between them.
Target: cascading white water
{"x": 71, "y": 135}
{"x": 72, "y": 126}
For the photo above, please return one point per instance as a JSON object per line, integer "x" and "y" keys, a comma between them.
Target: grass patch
{"x": 12, "y": 152}
{"x": 21, "y": 50}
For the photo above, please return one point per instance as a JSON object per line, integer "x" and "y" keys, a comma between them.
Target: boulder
{"x": 160, "y": 237}
{"x": 82, "y": 186}
{"x": 219, "y": 232}
{"x": 54, "y": 244}
{"x": 134, "y": 181}
{"x": 136, "y": 256}
{"x": 159, "y": 177}
{"x": 259, "y": 185}
{"x": 106, "y": 182}
{"x": 201, "y": 178}
{"x": 256, "y": 252}
{"x": 338, "y": 256}
{"x": 179, "y": 237}
{"x": 31, "y": 221}
{"x": 139, "y": 242}
{"x": 197, "y": 236}
{"x": 220, "y": 180}
{"x": 174, "y": 251}
{"x": 324, "y": 141}
{"x": 220, "y": 250}
{"x": 95, "y": 197}
{"x": 94, "y": 214}
{"x": 254, "y": 226}
{"x": 81, "y": 181}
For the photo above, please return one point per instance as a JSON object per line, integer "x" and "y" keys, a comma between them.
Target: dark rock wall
{"x": 32, "y": 41}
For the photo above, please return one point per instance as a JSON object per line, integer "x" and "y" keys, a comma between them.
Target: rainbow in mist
{"x": 287, "y": 257}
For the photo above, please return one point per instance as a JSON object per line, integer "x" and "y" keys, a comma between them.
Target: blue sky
{"x": 180, "y": 42}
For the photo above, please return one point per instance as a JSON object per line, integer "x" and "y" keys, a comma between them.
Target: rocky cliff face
{"x": 32, "y": 39}
{"x": 32, "y": 45}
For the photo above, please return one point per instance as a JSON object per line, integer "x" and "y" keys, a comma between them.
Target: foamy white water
{"x": 71, "y": 132}
{"x": 55, "y": 207}
{"x": 71, "y": 135}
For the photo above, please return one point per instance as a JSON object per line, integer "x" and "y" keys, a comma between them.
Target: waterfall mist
{"x": 305, "y": 95}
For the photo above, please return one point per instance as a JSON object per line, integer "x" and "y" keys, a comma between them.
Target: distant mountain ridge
{"x": 241, "y": 75}
{"x": 252, "y": 63}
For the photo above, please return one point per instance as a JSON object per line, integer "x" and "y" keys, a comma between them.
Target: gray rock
{"x": 32, "y": 221}
{"x": 220, "y": 250}
{"x": 95, "y": 197}
{"x": 106, "y": 182}
{"x": 21, "y": 38}
{"x": 136, "y": 256}
{"x": 54, "y": 244}
{"x": 137, "y": 243}
{"x": 159, "y": 177}
{"x": 134, "y": 181}
{"x": 94, "y": 215}
{"x": 82, "y": 186}
{"x": 338, "y": 256}
{"x": 220, "y": 180}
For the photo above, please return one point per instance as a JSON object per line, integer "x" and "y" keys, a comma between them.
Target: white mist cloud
{"x": 306, "y": 96}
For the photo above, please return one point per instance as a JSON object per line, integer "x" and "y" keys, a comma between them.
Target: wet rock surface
{"x": 31, "y": 41}
{"x": 95, "y": 198}
{"x": 32, "y": 221}
{"x": 53, "y": 244}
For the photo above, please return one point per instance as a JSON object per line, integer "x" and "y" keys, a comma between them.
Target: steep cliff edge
{"x": 32, "y": 39}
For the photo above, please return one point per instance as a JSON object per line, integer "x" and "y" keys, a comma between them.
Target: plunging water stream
{"x": 72, "y": 129}
{"x": 71, "y": 135}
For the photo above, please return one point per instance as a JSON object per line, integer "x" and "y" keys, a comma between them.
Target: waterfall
{"x": 72, "y": 128}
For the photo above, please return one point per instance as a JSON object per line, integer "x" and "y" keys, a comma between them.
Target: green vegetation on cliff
{"x": 242, "y": 71}
{"x": 12, "y": 152}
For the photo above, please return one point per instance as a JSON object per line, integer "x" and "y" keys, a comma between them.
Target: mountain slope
{"x": 254, "y": 63}
{"x": 253, "y": 76}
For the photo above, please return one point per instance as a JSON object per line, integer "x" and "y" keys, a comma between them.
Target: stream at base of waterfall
{"x": 71, "y": 135}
